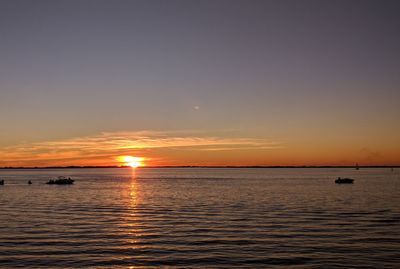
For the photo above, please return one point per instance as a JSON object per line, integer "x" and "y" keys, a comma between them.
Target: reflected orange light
{"x": 131, "y": 161}
{"x": 133, "y": 192}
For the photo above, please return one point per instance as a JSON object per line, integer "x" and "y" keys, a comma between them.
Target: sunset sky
{"x": 218, "y": 82}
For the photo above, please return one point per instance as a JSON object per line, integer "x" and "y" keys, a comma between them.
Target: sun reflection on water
{"x": 131, "y": 222}
{"x": 133, "y": 195}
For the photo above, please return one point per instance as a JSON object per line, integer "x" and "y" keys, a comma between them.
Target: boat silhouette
{"x": 60, "y": 181}
{"x": 344, "y": 181}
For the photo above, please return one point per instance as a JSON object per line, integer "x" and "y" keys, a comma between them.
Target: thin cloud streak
{"x": 102, "y": 148}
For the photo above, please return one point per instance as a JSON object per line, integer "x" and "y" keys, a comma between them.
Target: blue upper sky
{"x": 293, "y": 71}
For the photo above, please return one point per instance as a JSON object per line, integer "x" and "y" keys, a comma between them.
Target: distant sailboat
{"x": 357, "y": 167}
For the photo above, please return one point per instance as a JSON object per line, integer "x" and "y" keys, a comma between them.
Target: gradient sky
{"x": 199, "y": 82}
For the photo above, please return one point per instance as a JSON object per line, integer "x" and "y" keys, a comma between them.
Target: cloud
{"x": 100, "y": 149}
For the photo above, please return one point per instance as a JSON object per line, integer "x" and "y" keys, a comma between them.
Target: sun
{"x": 131, "y": 161}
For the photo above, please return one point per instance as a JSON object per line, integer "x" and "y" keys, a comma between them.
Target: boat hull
{"x": 60, "y": 181}
{"x": 344, "y": 181}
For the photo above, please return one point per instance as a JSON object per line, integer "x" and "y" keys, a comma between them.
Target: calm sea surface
{"x": 208, "y": 218}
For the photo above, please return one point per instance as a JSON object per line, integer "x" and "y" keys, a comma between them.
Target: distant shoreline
{"x": 205, "y": 166}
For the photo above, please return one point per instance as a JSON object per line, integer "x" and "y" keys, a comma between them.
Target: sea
{"x": 200, "y": 218}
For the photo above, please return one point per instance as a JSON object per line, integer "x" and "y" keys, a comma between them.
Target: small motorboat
{"x": 344, "y": 181}
{"x": 60, "y": 181}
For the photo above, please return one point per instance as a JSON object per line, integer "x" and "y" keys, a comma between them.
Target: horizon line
{"x": 199, "y": 166}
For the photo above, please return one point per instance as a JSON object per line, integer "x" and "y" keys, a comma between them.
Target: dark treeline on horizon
{"x": 209, "y": 166}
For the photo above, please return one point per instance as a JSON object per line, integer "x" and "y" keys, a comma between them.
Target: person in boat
{"x": 29, "y": 182}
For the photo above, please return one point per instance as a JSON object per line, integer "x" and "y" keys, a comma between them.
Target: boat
{"x": 60, "y": 181}
{"x": 344, "y": 180}
{"x": 2, "y": 182}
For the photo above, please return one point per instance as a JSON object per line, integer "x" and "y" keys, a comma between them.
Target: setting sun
{"x": 131, "y": 161}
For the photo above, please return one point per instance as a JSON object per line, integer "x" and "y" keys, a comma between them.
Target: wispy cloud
{"x": 100, "y": 149}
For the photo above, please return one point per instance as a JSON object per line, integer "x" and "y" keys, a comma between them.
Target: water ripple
{"x": 236, "y": 218}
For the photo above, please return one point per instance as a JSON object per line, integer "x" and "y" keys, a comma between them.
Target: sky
{"x": 220, "y": 82}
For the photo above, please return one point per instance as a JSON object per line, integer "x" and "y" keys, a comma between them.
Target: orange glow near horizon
{"x": 131, "y": 161}
{"x": 186, "y": 148}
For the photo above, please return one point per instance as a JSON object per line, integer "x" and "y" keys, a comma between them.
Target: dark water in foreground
{"x": 209, "y": 218}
